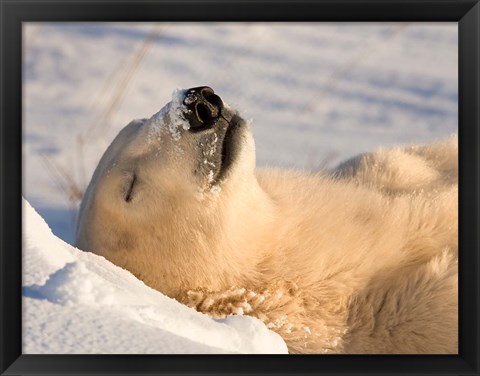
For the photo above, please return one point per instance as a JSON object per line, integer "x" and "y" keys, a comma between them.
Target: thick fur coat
{"x": 362, "y": 259}
{"x": 365, "y": 262}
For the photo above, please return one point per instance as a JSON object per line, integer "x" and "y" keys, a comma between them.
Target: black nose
{"x": 204, "y": 107}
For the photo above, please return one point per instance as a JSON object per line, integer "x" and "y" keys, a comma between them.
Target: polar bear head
{"x": 174, "y": 198}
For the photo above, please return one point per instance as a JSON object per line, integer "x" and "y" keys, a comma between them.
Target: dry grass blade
{"x": 71, "y": 183}
{"x": 103, "y": 122}
{"x": 64, "y": 181}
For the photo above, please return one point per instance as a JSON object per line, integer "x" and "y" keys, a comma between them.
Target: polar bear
{"x": 362, "y": 259}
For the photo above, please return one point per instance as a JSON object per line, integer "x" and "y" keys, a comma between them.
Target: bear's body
{"x": 360, "y": 260}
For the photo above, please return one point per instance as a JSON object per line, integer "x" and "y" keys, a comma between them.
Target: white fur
{"x": 360, "y": 260}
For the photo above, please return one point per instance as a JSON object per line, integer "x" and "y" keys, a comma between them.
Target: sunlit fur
{"x": 359, "y": 260}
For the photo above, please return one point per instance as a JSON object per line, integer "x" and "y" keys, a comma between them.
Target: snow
{"x": 78, "y": 302}
{"x": 175, "y": 112}
{"x": 316, "y": 94}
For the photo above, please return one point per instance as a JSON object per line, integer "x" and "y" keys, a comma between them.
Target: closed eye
{"x": 128, "y": 196}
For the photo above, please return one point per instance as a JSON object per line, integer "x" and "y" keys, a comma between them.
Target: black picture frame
{"x": 14, "y": 12}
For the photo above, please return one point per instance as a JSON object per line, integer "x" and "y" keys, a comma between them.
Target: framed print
{"x": 294, "y": 183}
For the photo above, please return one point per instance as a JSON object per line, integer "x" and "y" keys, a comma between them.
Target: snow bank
{"x": 78, "y": 302}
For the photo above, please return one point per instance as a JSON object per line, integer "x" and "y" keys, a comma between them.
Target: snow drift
{"x": 78, "y": 302}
